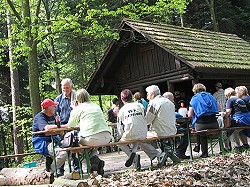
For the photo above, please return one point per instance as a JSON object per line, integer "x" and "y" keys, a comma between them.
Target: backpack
{"x": 111, "y": 116}
{"x": 70, "y": 139}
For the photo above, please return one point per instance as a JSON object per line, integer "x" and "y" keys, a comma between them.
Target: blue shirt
{"x": 237, "y": 105}
{"x": 40, "y": 141}
{"x": 144, "y": 103}
{"x": 203, "y": 104}
{"x": 41, "y": 120}
{"x": 63, "y": 108}
{"x": 246, "y": 99}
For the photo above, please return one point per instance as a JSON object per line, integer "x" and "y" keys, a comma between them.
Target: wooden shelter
{"x": 171, "y": 57}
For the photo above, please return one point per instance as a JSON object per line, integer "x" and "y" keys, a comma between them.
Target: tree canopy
{"x": 53, "y": 40}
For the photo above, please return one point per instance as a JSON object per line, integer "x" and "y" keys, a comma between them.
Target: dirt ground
{"x": 114, "y": 162}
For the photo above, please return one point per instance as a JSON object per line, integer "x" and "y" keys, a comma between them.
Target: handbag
{"x": 70, "y": 139}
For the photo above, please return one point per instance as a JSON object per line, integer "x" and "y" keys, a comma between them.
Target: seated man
{"x": 161, "y": 116}
{"x": 131, "y": 126}
{"x": 182, "y": 147}
{"x": 45, "y": 120}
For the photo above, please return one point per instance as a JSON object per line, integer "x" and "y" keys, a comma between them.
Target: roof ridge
{"x": 179, "y": 27}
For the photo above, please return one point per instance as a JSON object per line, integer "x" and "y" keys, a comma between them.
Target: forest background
{"x": 44, "y": 41}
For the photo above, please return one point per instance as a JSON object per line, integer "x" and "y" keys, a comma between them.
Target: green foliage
{"x": 81, "y": 30}
{"x": 106, "y": 102}
{"x": 24, "y": 120}
{"x": 232, "y": 16}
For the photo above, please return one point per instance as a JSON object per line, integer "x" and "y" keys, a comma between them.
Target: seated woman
{"x": 236, "y": 113}
{"x": 242, "y": 92}
{"x": 203, "y": 109}
{"x": 131, "y": 125}
{"x": 93, "y": 129}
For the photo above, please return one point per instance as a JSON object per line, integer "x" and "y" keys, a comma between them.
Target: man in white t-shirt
{"x": 131, "y": 125}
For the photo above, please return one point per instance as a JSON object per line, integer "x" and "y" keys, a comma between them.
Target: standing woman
{"x": 203, "y": 109}
{"x": 93, "y": 129}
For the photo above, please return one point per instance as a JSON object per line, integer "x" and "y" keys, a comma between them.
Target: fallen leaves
{"x": 229, "y": 170}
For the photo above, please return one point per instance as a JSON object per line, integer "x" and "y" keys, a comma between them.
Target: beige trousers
{"x": 101, "y": 138}
{"x": 61, "y": 157}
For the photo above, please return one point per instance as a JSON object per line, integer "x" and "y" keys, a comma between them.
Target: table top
{"x": 55, "y": 131}
{"x": 183, "y": 122}
{"x": 183, "y": 119}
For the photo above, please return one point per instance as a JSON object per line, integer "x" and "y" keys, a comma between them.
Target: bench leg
{"x": 87, "y": 158}
{"x": 80, "y": 165}
{"x": 151, "y": 164}
{"x": 190, "y": 144}
{"x": 54, "y": 155}
{"x": 69, "y": 162}
{"x": 221, "y": 143}
{"x": 211, "y": 144}
{"x": 167, "y": 147}
{"x": 171, "y": 144}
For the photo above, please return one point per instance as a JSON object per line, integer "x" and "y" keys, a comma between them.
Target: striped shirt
{"x": 220, "y": 98}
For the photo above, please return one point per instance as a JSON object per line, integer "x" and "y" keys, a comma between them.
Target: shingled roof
{"x": 197, "y": 48}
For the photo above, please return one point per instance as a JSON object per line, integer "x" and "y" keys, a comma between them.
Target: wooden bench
{"x": 211, "y": 132}
{"x": 86, "y": 149}
{"x": 16, "y": 155}
{"x": 235, "y": 128}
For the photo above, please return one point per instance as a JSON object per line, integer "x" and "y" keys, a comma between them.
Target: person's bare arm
{"x": 219, "y": 106}
{"x": 48, "y": 127}
{"x": 228, "y": 111}
{"x": 190, "y": 112}
{"x": 227, "y": 120}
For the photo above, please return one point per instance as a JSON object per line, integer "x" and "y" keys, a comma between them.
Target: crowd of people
{"x": 136, "y": 118}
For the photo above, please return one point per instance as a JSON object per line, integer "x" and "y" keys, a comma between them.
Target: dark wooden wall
{"x": 145, "y": 64}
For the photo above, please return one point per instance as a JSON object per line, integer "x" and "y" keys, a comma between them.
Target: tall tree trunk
{"x": 52, "y": 47}
{"x": 210, "y": 4}
{"x": 34, "y": 79}
{"x": 18, "y": 140}
{"x": 31, "y": 43}
{"x": 32, "y": 61}
{"x": 54, "y": 59}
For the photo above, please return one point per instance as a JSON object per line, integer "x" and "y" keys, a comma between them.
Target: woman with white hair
{"x": 93, "y": 129}
{"x": 242, "y": 93}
